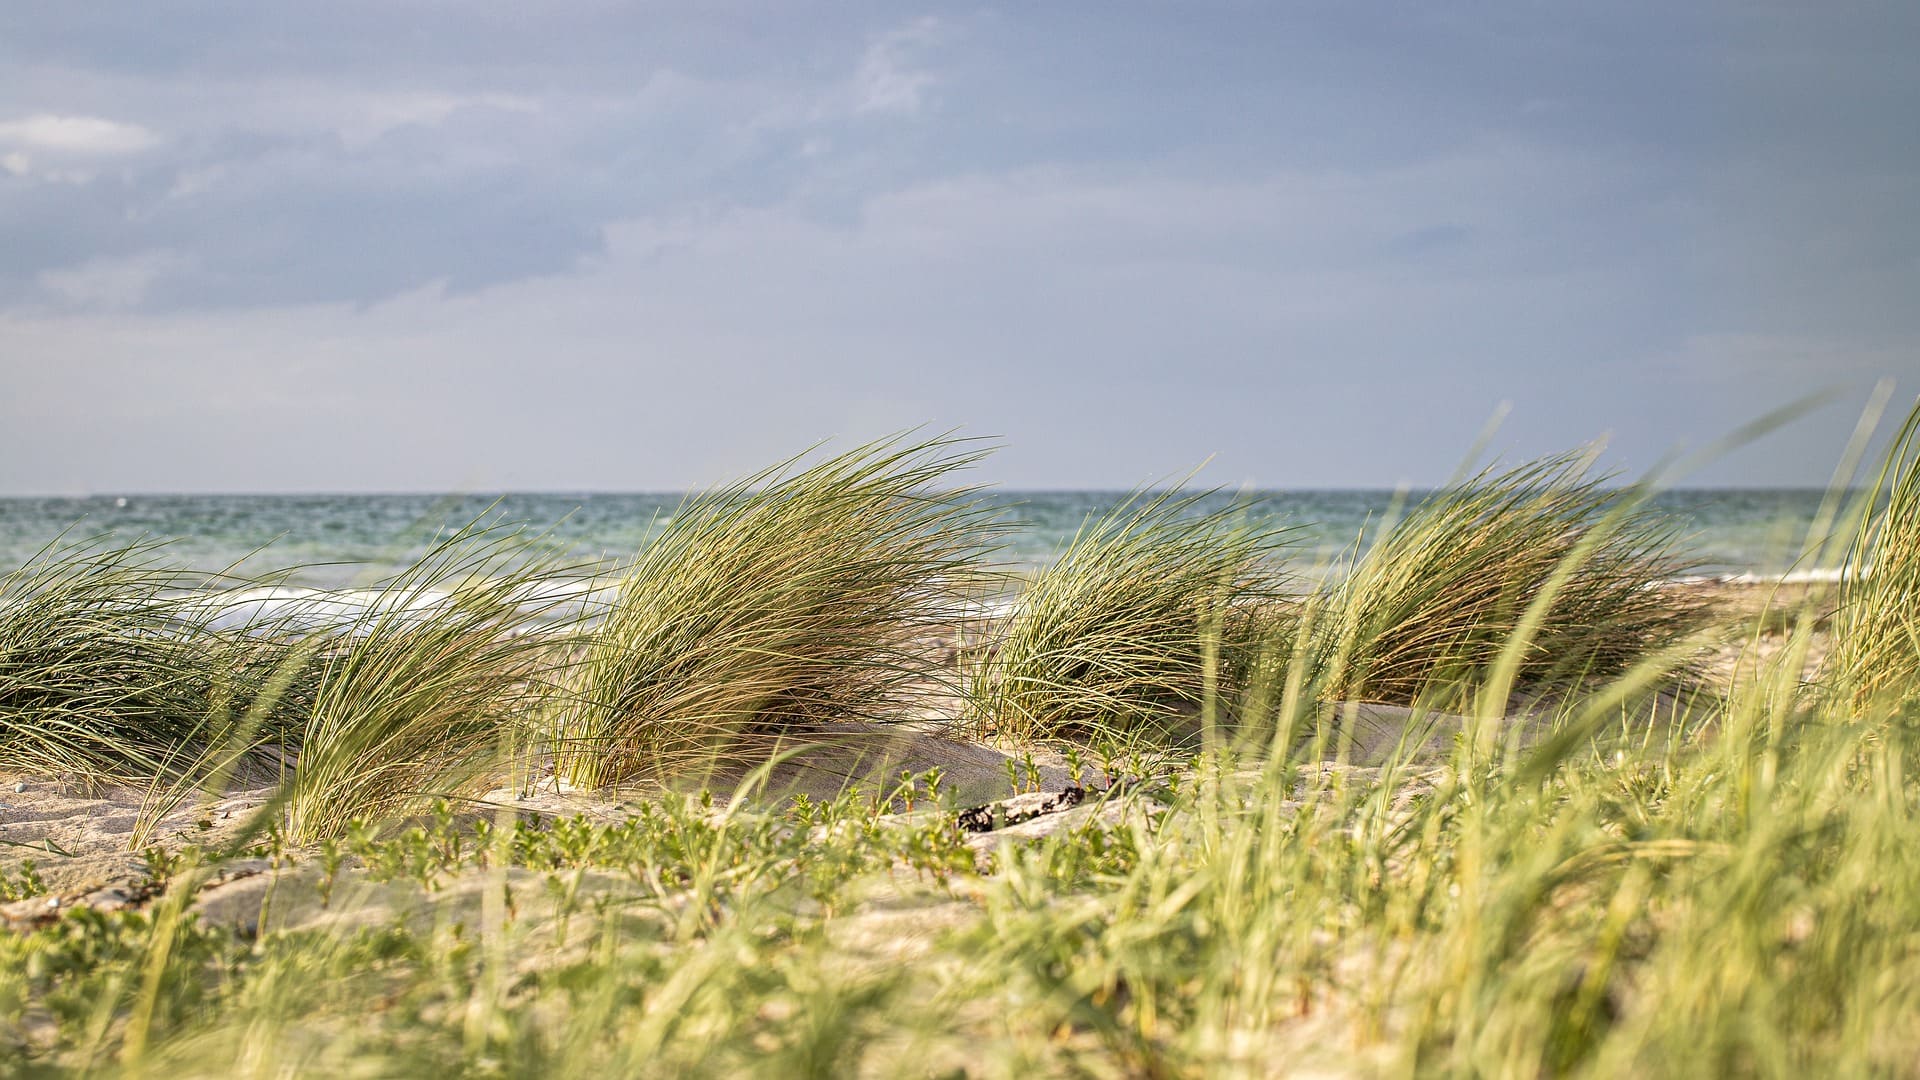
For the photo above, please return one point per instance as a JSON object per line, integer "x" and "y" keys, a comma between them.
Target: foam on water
{"x": 1826, "y": 575}
{"x": 302, "y": 610}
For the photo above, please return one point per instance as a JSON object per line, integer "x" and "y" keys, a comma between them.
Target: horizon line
{"x": 1381, "y": 489}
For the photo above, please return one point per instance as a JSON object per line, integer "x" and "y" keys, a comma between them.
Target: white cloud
{"x": 888, "y": 81}
{"x": 365, "y": 119}
{"x": 110, "y": 283}
{"x": 89, "y": 136}
{"x": 1742, "y": 372}
{"x": 191, "y": 182}
{"x": 60, "y": 149}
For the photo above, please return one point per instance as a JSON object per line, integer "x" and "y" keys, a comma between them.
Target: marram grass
{"x": 1434, "y": 602}
{"x": 108, "y": 672}
{"x": 797, "y": 595}
{"x": 430, "y": 688}
{"x": 1154, "y": 608}
{"x": 1877, "y": 624}
{"x": 1746, "y": 903}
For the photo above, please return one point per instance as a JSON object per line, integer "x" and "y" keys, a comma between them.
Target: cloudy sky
{"x": 590, "y": 244}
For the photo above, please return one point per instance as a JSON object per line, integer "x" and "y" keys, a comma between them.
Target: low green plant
{"x": 21, "y": 882}
{"x": 1154, "y": 609}
{"x": 795, "y": 596}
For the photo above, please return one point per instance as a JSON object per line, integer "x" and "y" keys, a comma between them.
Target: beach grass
{"x": 1435, "y": 601}
{"x": 106, "y": 670}
{"x": 1734, "y": 892}
{"x": 1155, "y": 607}
{"x": 428, "y": 689}
{"x": 802, "y": 594}
{"x": 1744, "y": 904}
{"x": 1877, "y": 632}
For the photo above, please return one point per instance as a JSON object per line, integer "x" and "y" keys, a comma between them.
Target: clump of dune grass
{"x": 1876, "y": 628}
{"x": 794, "y": 596}
{"x": 427, "y": 689}
{"x": 1154, "y": 609}
{"x": 104, "y": 670}
{"x": 1437, "y": 599}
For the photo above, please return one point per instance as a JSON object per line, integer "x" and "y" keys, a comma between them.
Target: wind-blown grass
{"x": 1738, "y": 896}
{"x": 1434, "y": 601}
{"x": 796, "y": 595}
{"x": 1746, "y": 904}
{"x": 429, "y": 688}
{"x": 106, "y": 672}
{"x": 1153, "y": 609}
{"x": 1877, "y": 625}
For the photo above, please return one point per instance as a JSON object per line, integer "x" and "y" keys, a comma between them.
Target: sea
{"x": 339, "y": 541}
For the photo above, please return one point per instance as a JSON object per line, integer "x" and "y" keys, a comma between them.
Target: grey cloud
{"x": 1322, "y": 239}
{"x": 703, "y": 345}
{"x": 360, "y": 156}
{"x": 356, "y": 151}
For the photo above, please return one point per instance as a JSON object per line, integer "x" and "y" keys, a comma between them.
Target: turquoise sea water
{"x": 341, "y": 539}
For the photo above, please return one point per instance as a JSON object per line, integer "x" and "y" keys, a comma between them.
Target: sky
{"x": 427, "y": 245}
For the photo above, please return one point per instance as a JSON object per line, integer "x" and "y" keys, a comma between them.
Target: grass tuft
{"x": 426, "y": 689}
{"x": 107, "y": 671}
{"x": 1154, "y": 609}
{"x": 1876, "y": 643}
{"x": 1436, "y": 600}
{"x": 794, "y": 596}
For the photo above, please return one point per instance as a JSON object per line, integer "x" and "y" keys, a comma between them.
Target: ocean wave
{"x": 1814, "y": 576}
{"x": 288, "y": 609}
